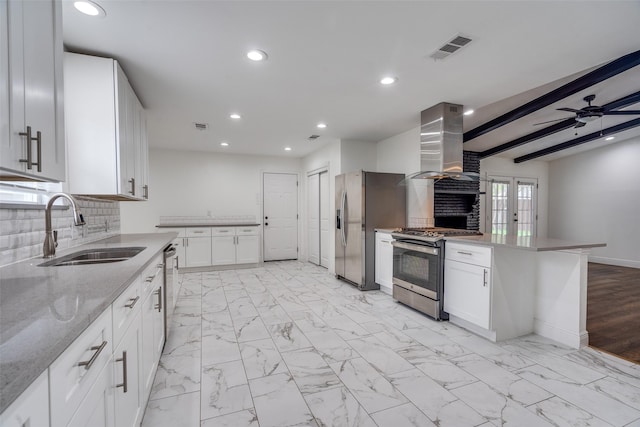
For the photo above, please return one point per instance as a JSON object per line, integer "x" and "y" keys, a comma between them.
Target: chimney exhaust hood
{"x": 441, "y": 144}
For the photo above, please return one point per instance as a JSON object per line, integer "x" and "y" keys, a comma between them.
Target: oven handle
{"x": 417, "y": 248}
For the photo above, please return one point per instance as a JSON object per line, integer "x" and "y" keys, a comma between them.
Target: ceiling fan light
{"x": 587, "y": 119}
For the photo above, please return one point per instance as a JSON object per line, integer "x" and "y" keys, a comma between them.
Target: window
{"x": 27, "y": 193}
{"x": 513, "y": 206}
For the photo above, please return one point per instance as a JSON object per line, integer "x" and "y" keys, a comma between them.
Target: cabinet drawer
{"x": 31, "y": 408}
{"x": 246, "y": 231}
{"x": 198, "y": 232}
{"x": 181, "y": 231}
{"x": 471, "y": 254}
{"x": 150, "y": 275}
{"x": 223, "y": 231}
{"x": 125, "y": 309}
{"x": 73, "y": 373}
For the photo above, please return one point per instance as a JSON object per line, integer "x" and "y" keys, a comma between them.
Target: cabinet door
{"x": 198, "y": 251}
{"x": 96, "y": 410}
{"x": 467, "y": 292}
{"x": 148, "y": 344}
{"x": 223, "y": 250}
{"x": 127, "y": 373}
{"x": 143, "y": 154}
{"x": 384, "y": 260}
{"x": 31, "y": 408}
{"x": 5, "y": 134}
{"x": 247, "y": 249}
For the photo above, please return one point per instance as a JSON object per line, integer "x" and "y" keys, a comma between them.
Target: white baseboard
{"x": 615, "y": 261}
{"x": 484, "y": 333}
{"x": 386, "y": 289}
{"x": 563, "y": 336}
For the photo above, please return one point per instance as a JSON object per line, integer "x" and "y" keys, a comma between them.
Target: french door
{"x": 513, "y": 206}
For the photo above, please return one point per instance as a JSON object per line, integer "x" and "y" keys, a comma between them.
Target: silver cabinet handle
{"x": 132, "y": 181}
{"x": 98, "y": 349}
{"x": 465, "y": 253}
{"x": 29, "y": 154}
{"x": 177, "y": 262}
{"x": 132, "y": 302}
{"x": 123, "y": 359}
{"x": 223, "y": 231}
{"x": 158, "y": 306}
{"x": 484, "y": 277}
{"x": 198, "y": 231}
{"x": 149, "y": 279}
{"x": 145, "y": 191}
{"x": 39, "y": 151}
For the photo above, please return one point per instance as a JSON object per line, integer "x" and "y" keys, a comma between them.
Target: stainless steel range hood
{"x": 441, "y": 144}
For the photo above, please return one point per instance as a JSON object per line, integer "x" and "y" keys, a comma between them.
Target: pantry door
{"x": 319, "y": 220}
{"x": 280, "y": 216}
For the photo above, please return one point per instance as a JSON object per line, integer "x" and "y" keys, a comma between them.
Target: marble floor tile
{"x": 337, "y": 407}
{"x": 225, "y": 390}
{"x": 177, "y": 375}
{"x": 250, "y": 329}
{"x": 599, "y": 404}
{"x": 345, "y": 327}
{"x": 406, "y": 415}
{"x": 273, "y": 314}
{"x": 619, "y": 390}
{"x": 331, "y": 346}
{"x": 183, "y": 340}
{"x": 261, "y": 358}
{"x": 371, "y": 389}
{"x": 437, "y": 343}
{"x": 379, "y": 355}
{"x": 217, "y": 321}
{"x": 242, "y": 307}
{"x": 219, "y": 347}
{"x": 287, "y": 337}
{"x": 262, "y": 299}
{"x": 308, "y": 321}
{"x": 563, "y": 414}
{"x": 442, "y": 371}
{"x": 182, "y": 410}
{"x": 310, "y": 371}
{"x": 278, "y": 402}
{"x": 186, "y": 319}
{"x": 620, "y": 369}
{"x": 246, "y": 418}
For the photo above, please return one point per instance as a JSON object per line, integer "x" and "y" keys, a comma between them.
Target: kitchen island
{"x": 44, "y": 309}
{"x": 536, "y": 285}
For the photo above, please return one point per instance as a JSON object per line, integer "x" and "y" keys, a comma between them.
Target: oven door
{"x": 417, "y": 267}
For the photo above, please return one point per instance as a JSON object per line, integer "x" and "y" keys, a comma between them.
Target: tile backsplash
{"x": 22, "y": 230}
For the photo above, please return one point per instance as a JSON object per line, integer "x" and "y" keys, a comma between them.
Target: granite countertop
{"x": 44, "y": 309}
{"x": 186, "y": 225}
{"x": 537, "y": 244}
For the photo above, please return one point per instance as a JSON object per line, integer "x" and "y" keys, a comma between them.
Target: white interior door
{"x": 325, "y": 219}
{"x": 513, "y": 208}
{"x": 313, "y": 222}
{"x": 280, "y": 216}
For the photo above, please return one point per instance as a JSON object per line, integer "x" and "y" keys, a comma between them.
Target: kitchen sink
{"x": 95, "y": 256}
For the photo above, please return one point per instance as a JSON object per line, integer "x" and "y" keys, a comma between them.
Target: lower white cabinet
{"x": 247, "y": 249}
{"x": 96, "y": 410}
{"x": 467, "y": 285}
{"x": 223, "y": 250}
{"x": 152, "y": 328}
{"x": 31, "y": 408}
{"x": 127, "y": 373}
{"x": 384, "y": 260}
{"x": 197, "y": 251}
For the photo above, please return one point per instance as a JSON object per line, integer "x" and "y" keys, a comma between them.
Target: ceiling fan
{"x": 591, "y": 113}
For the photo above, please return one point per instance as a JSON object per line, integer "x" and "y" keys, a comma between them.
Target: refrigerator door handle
{"x": 342, "y": 207}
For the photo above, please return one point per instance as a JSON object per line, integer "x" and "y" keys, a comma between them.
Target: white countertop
{"x": 524, "y": 243}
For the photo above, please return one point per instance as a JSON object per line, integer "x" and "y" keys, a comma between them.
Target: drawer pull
{"x": 484, "y": 277}
{"x": 198, "y": 232}
{"x": 149, "y": 279}
{"x": 132, "y": 302}
{"x": 123, "y": 359}
{"x": 224, "y": 231}
{"x": 98, "y": 349}
{"x": 247, "y": 231}
{"x": 158, "y": 306}
{"x": 465, "y": 253}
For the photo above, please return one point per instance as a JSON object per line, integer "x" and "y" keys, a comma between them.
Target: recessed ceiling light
{"x": 89, "y": 8}
{"x": 388, "y": 80}
{"x": 287, "y": 148}
{"x": 257, "y": 55}
{"x": 235, "y": 116}
{"x": 609, "y": 138}
{"x": 468, "y": 112}
{"x": 224, "y": 144}
{"x": 322, "y": 126}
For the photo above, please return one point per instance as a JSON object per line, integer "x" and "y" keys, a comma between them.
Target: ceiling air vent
{"x": 313, "y": 137}
{"x": 450, "y": 47}
{"x": 201, "y": 126}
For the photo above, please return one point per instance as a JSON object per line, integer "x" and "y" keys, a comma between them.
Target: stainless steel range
{"x": 418, "y": 268}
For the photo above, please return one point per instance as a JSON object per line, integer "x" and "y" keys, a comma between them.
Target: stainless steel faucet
{"x": 50, "y": 236}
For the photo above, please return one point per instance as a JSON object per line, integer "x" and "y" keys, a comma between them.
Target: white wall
{"x": 595, "y": 197}
{"x": 327, "y": 156}
{"x": 400, "y": 153}
{"x": 201, "y": 183}
{"x": 498, "y": 166}
{"x": 357, "y": 155}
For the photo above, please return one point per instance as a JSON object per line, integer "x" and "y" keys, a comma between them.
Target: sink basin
{"x": 95, "y": 256}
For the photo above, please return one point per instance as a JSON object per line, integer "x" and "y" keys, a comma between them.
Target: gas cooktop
{"x": 433, "y": 234}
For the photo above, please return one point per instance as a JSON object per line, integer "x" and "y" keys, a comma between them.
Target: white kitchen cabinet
{"x": 384, "y": 261}
{"x": 467, "y": 286}
{"x": 235, "y": 245}
{"x": 96, "y": 410}
{"x": 152, "y": 325}
{"x": 198, "y": 247}
{"x": 223, "y": 250}
{"x": 31, "y": 408}
{"x": 127, "y": 373}
{"x": 32, "y": 122}
{"x": 125, "y": 309}
{"x": 101, "y": 107}
{"x": 247, "y": 249}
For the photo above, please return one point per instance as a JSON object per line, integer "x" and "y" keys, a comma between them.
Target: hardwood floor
{"x": 613, "y": 310}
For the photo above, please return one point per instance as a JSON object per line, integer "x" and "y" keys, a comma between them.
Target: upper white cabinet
{"x": 106, "y": 130}
{"x": 31, "y": 110}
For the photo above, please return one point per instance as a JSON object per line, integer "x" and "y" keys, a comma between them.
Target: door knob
{"x": 266, "y": 223}
{"x": 266, "y": 217}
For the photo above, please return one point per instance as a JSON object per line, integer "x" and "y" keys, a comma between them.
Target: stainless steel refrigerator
{"x": 365, "y": 201}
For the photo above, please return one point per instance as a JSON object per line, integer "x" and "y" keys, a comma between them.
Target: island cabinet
{"x": 384, "y": 261}
{"x": 31, "y": 408}
{"x": 32, "y": 144}
{"x": 106, "y": 130}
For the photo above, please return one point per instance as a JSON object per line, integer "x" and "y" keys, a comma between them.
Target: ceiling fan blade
{"x": 579, "y": 124}
{"x": 551, "y": 121}
{"x": 571, "y": 110}
{"x": 621, "y": 113}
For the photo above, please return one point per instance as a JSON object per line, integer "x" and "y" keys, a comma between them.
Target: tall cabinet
{"x": 31, "y": 106}
{"x": 106, "y": 130}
